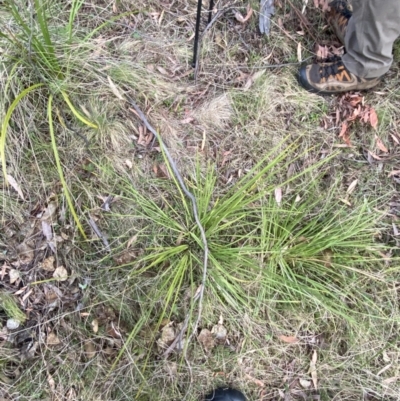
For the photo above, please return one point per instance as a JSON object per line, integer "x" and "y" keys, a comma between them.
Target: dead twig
{"x": 96, "y": 229}
{"x": 200, "y": 294}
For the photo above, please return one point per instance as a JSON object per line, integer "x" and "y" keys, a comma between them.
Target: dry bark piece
{"x": 206, "y": 339}
{"x": 168, "y": 334}
{"x": 60, "y": 273}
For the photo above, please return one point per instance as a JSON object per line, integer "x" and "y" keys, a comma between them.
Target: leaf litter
{"x": 350, "y": 108}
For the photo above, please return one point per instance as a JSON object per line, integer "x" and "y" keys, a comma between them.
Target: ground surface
{"x": 301, "y": 300}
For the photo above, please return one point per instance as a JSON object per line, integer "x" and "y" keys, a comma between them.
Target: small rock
{"x": 13, "y": 324}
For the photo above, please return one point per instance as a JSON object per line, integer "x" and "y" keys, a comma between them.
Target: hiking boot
{"x": 331, "y": 77}
{"x": 225, "y": 394}
{"x": 338, "y": 17}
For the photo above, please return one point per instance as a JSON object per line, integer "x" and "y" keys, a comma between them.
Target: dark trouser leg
{"x": 372, "y": 30}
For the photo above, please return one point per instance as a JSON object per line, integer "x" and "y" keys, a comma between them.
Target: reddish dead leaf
{"x": 242, "y": 19}
{"x": 257, "y": 382}
{"x": 373, "y": 118}
{"x": 344, "y": 133}
{"x": 289, "y": 339}
{"x": 374, "y": 156}
{"x": 187, "y": 120}
{"x": 395, "y": 139}
{"x": 323, "y": 4}
{"x": 321, "y": 52}
{"x": 355, "y": 100}
{"x": 380, "y": 144}
{"x": 144, "y": 137}
{"x": 161, "y": 171}
{"x": 225, "y": 157}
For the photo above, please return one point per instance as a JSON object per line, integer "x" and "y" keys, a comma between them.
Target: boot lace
{"x": 342, "y": 7}
{"x": 329, "y": 70}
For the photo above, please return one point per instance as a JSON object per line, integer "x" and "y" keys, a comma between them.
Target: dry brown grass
{"x": 214, "y": 120}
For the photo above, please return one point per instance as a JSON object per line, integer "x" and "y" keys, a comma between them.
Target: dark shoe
{"x": 338, "y": 17}
{"x": 225, "y": 394}
{"x": 331, "y": 77}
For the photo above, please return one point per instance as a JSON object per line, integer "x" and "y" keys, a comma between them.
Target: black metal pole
{"x": 196, "y": 33}
{"x": 210, "y": 10}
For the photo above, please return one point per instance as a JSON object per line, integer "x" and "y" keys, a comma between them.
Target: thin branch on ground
{"x": 98, "y": 232}
{"x": 200, "y": 294}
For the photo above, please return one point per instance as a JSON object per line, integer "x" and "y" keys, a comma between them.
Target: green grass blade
{"x": 59, "y": 168}
{"x": 4, "y": 126}
{"x": 76, "y": 113}
{"x": 75, "y": 7}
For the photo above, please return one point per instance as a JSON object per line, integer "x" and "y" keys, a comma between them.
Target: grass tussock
{"x": 101, "y": 254}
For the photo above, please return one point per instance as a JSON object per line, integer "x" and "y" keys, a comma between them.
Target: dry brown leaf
{"x": 163, "y": 71}
{"x": 219, "y": 332}
{"x": 374, "y": 156}
{"x": 253, "y": 78}
{"x": 313, "y": 369}
{"x": 344, "y": 133}
{"x": 168, "y": 334}
{"x": 345, "y": 201}
{"x": 52, "y": 339}
{"x": 373, "y": 118}
{"x": 15, "y": 185}
{"x": 395, "y": 139}
{"x": 321, "y": 52}
{"x": 113, "y": 331}
{"x": 351, "y": 187}
{"x": 60, "y": 273}
{"x": 278, "y": 195}
{"x": 394, "y": 172}
{"x": 239, "y": 17}
{"x": 50, "y": 211}
{"x": 305, "y": 383}
{"x": 114, "y": 89}
{"x": 289, "y": 339}
{"x": 257, "y": 382}
{"x": 52, "y": 383}
{"x": 131, "y": 241}
{"x": 13, "y": 274}
{"x": 380, "y": 144}
{"x": 206, "y": 339}
{"x": 323, "y": 4}
{"x": 161, "y": 171}
{"x": 95, "y": 325}
{"x": 48, "y": 264}
{"x": 90, "y": 350}
{"x": 299, "y": 57}
{"x": 47, "y": 230}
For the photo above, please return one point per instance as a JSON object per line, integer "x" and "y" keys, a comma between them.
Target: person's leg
{"x": 368, "y": 36}
{"x": 371, "y": 32}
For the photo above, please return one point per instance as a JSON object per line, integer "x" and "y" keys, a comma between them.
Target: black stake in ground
{"x": 197, "y": 29}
